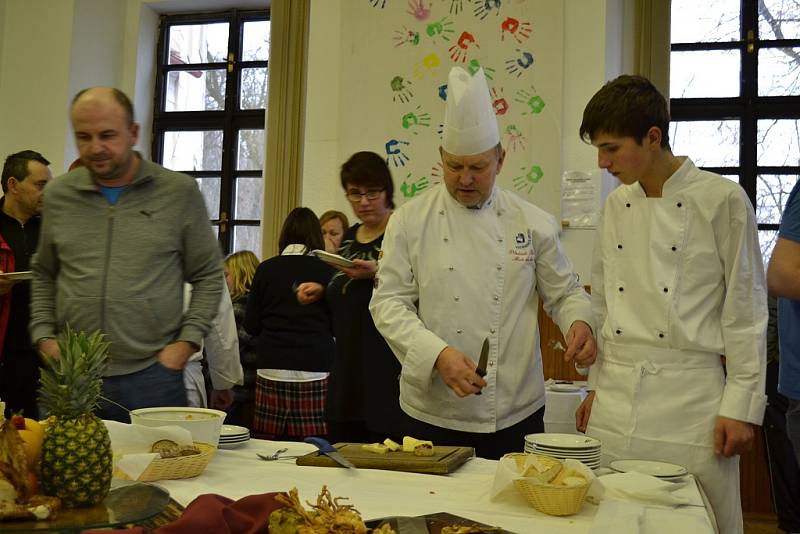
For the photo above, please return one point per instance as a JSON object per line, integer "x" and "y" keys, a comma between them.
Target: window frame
{"x": 748, "y": 108}
{"x": 230, "y": 121}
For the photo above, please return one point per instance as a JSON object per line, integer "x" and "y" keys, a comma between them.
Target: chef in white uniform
{"x": 677, "y": 282}
{"x": 465, "y": 262}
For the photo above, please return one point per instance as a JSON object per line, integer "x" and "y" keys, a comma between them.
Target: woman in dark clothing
{"x": 295, "y": 343}
{"x": 240, "y": 267}
{"x": 363, "y": 392}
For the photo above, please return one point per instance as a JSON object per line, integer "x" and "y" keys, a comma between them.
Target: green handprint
{"x": 440, "y": 28}
{"x": 534, "y": 102}
{"x": 412, "y": 119}
{"x": 474, "y": 65}
{"x": 409, "y": 190}
{"x": 529, "y": 179}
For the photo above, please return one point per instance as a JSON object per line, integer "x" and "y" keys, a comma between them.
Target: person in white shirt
{"x": 465, "y": 262}
{"x": 677, "y": 282}
{"x": 221, "y": 348}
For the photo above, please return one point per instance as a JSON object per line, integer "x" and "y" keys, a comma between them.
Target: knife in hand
{"x": 330, "y": 451}
{"x": 484, "y": 359}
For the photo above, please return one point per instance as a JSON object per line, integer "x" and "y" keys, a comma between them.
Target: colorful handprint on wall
{"x": 516, "y": 66}
{"x": 529, "y": 179}
{"x": 401, "y": 89}
{"x": 394, "y": 152}
{"x": 484, "y": 7}
{"x": 458, "y": 52}
{"x": 519, "y": 30}
{"x": 413, "y": 120}
{"x": 411, "y": 187}
{"x": 533, "y": 102}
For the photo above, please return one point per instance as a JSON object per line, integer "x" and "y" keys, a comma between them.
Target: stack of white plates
{"x": 662, "y": 470}
{"x": 563, "y": 446}
{"x": 232, "y": 436}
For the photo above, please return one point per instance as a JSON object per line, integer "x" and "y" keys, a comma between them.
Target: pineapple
{"x": 76, "y": 460}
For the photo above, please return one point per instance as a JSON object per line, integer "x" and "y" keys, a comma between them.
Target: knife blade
{"x": 484, "y": 359}
{"x": 330, "y": 451}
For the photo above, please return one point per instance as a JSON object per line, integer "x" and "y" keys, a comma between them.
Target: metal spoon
{"x": 274, "y": 456}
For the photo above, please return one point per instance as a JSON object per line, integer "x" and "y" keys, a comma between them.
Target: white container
{"x": 204, "y": 424}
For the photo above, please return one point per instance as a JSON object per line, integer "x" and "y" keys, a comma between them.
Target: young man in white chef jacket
{"x": 465, "y": 262}
{"x": 677, "y": 283}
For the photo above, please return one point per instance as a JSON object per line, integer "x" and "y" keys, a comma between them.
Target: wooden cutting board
{"x": 444, "y": 460}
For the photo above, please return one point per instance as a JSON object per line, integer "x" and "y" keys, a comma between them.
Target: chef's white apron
{"x": 662, "y": 404}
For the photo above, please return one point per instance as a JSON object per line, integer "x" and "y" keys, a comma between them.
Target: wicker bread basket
{"x": 553, "y": 500}
{"x": 180, "y": 467}
{"x": 548, "y": 498}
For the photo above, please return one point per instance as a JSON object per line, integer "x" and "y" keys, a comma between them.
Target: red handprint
{"x": 458, "y": 52}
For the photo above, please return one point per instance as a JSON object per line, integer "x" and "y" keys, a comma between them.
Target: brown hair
{"x": 627, "y": 106}
{"x": 241, "y": 267}
{"x": 367, "y": 169}
{"x": 333, "y": 214}
{"x": 301, "y": 226}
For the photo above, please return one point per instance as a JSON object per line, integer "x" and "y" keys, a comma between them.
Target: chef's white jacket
{"x": 452, "y": 276}
{"x": 684, "y": 272}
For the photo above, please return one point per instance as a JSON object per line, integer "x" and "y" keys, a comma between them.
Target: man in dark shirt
{"x": 24, "y": 176}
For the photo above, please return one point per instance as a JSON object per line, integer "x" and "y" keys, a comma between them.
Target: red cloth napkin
{"x": 216, "y": 514}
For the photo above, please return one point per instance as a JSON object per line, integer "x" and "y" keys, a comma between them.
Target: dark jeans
{"x": 19, "y": 382}
{"x": 487, "y": 445}
{"x": 783, "y": 466}
{"x": 793, "y": 429}
{"x": 154, "y": 386}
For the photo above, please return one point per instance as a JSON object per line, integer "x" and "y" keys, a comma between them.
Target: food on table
{"x": 76, "y": 462}
{"x": 470, "y": 529}
{"x": 326, "y": 516}
{"x": 377, "y": 448}
{"x": 17, "y": 482}
{"x": 32, "y": 435}
{"x": 169, "y": 449}
{"x": 417, "y": 446}
{"x": 542, "y": 468}
{"x": 392, "y": 445}
{"x": 569, "y": 477}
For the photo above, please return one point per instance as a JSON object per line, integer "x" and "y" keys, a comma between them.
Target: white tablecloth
{"x": 237, "y": 473}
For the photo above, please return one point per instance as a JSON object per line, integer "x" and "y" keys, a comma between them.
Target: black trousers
{"x": 19, "y": 382}
{"x": 487, "y": 445}
{"x": 783, "y": 468}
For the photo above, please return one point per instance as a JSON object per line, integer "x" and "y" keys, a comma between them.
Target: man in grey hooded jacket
{"x": 120, "y": 237}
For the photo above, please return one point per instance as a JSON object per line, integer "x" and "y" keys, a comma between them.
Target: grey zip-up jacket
{"x": 121, "y": 268}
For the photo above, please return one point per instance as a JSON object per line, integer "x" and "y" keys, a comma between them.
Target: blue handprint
{"x": 395, "y": 154}
{"x": 516, "y": 66}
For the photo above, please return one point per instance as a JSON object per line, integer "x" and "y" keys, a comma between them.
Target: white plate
{"x": 333, "y": 259}
{"x": 19, "y": 275}
{"x": 233, "y": 430}
{"x": 563, "y": 441}
{"x": 565, "y": 388}
{"x": 649, "y": 467}
{"x": 233, "y": 445}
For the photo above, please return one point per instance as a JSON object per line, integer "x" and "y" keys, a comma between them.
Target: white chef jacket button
{"x": 456, "y": 298}
{"x": 496, "y": 298}
{"x": 491, "y": 363}
{"x": 492, "y": 330}
{"x": 459, "y": 331}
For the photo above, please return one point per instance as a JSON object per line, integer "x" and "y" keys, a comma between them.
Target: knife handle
{"x": 322, "y": 444}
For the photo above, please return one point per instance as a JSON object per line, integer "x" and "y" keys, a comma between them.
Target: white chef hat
{"x": 470, "y": 125}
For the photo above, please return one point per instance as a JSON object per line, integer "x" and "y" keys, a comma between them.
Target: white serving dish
{"x": 205, "y": 424}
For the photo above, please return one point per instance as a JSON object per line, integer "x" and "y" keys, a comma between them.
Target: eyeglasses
{"x": 369, "y": 194}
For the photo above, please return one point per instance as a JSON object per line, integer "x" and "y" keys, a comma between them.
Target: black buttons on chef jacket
{"x": 459, "y": 331}
{"x": 446, "y": 240}
{"x": 674, "y": 249}
{"x": 621, "y": 289}
{"x": 679, "y": 204}
{"x": 627, "y": 204}
{"x": 619, "y": 247}
{"x": 661, "y": 334}
{"x": 666, "y": 290}
{"x": 619, "y": 331}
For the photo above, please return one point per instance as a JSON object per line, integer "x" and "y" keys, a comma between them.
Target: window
{"x": 211, "y": 93}
{"x": 735, "y": 97}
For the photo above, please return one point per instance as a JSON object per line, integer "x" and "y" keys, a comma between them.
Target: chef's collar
{"x": 488, "y": 203}
{"x": 677, "y": 181}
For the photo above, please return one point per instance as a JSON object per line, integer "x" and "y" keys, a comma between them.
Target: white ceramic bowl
{"x": 204, "y": 424}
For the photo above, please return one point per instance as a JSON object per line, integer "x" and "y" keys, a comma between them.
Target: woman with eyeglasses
{"x": 363, "y": 391}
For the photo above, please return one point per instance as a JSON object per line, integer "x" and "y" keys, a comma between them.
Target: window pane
{"x": 254, "y": 89}
{"x": 249, "y": 194}
{"x": 210, "y": 188}
{"x": 704, "y": 73}
{"x": 708, "y": 143}
{"x": 778, "y": 19}
{"x": 732, "y": 177}
{"x": 778, "y": 142}
{"x": 778, "y": 72}
{"x": 195, "y": 90}
{"x": 247, "y": 238}
{"x": 250, "y": 156}
{"x": 771, "y": 196}
{"x": 255, "y": 41}
{"x": 767, "y": 239}
{"x": 707, "y": 21}
{"x": 198, "y": 43}
{"x": 193, "y": 150}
